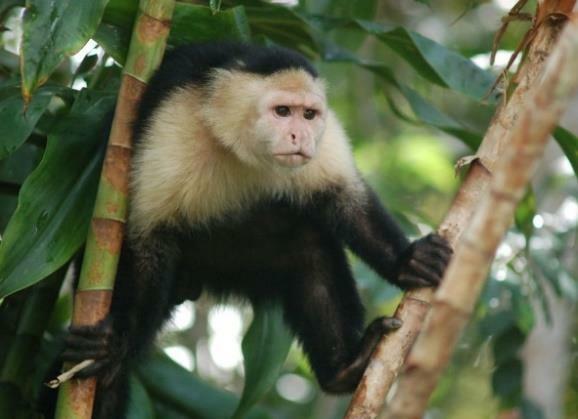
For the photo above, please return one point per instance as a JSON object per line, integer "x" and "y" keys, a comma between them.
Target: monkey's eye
{"x": 282, "y": 110}
{"x": 309, "y": 114}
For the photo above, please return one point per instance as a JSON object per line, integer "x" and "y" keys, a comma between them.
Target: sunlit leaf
{"x": 265, "y": 347}
{"x": 52, "y": 30}
{"x": 55, "y": 202}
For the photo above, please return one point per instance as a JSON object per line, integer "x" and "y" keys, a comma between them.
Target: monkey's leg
{"x": 323, "y": 307}
{"x": 141, "y": 303}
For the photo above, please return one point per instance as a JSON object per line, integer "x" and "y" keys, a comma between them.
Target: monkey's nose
{"x": 293, "y": 139}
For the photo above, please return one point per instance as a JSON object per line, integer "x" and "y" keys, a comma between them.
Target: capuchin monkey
{"x": 243, "y": 184}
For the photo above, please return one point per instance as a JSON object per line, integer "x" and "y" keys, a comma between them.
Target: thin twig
{"x": 69, "y": 374}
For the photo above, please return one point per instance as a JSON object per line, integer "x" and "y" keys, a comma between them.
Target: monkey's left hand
{"x": 423, "y": 263}
{"x": 99, "y": 343}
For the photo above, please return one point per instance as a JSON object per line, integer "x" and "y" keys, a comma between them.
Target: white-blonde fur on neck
{"x": 182, "y": 173}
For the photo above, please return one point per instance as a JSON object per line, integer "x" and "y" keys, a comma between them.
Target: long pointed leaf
{"x": 55, "y": 202}
{"x": 265, "y": 348}
{"x": 53, "y": 30}
{"x": 17, "y": 122}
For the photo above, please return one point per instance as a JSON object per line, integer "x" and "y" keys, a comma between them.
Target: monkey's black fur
{"x": 277, "y": 252}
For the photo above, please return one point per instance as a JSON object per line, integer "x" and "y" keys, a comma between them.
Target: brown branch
{"x": 389, "y": 355}
{"x": 456, "y": 298}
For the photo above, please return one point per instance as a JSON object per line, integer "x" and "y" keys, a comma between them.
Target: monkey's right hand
{"x": 423, "y": 263}
{"x": 96, "y": 342}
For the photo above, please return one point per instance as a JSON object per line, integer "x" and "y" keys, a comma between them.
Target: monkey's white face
{"x": 289, "y": 126}
{"x": 272, "y": 121}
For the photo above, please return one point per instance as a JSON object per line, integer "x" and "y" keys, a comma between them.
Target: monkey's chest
{"x": 268, "y": 237}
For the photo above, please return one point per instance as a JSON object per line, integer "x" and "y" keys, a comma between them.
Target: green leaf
{"x": 265, "y": 348}
{"x": 569, "y": 144}
{"x": 87, "y": 64}
{"x": 497, "y": 322}
{"x": 17, "y": 166}
{"x": 192, "y": 23}
{"x": 140, "y": 405}
{"x": 173, "y": 385}
{"x": 425, "y": 112}
{"x": 507, "y": 345}
{"x": 433, "y": 61}
{"x": 525, "y": 318}
{"x": 55, "y": 202}
{"x": 114, "y": 39}
{"x": 525, "y": 212}
{"x": 121, "y": 13}
{"x": 17, "y": 122}
{"x": 6, "y": 5}
{"x": 507, "y": 382}
{"x": 281, "y": 25}
{"x": 53, "y": 30}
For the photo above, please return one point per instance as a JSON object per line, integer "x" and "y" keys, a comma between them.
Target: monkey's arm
{"x": 372, "y": 233}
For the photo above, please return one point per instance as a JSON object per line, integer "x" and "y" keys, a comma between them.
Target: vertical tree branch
{"x": 456, "y": 298}
{"x": 389, "y": 355}
{"x": 94, "y": 293}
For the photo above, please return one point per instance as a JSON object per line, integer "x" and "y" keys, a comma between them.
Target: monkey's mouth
{"x": 292, "y": 159}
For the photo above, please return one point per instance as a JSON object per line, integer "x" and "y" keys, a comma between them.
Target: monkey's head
{"x": 274, "y": 120}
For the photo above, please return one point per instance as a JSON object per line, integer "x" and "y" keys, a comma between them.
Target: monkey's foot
{"x": 94, "y": 342}
{"x": 346, "y": 380}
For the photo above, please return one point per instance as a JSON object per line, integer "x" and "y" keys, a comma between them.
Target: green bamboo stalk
{"x": 94, "y": 293}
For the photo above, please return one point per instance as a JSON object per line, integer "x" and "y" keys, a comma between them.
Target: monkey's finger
{"x": 100, "y": 329}
{"x": 409, "y": 281}
{"x": 434, "y": 252}
{"x": 433, "y": 261}
{"x": 425, "y": 272}
{"x": 390, "y": 323}
{"x": 383, "y": 325}
{"x": 84, "y": 342}
{"x": 438, "y": 240}
{"x": 72, "y": 355}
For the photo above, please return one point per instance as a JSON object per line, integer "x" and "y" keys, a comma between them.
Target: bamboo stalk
{"x": 94, "y": 293}
{"x": 392, "y": 350}
{"x": 456, "y": 298}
